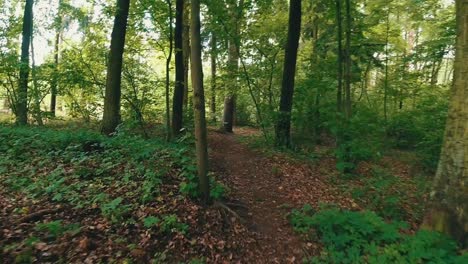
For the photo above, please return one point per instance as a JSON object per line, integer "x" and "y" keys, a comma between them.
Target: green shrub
{"x": 364, "y": 237}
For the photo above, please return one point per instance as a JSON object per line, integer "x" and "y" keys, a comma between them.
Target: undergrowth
{"x": 364, "y": 237}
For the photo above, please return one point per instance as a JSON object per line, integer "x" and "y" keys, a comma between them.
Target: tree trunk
{"x": 283, "y": 125}
{"x": 178, "y": 100}
{"x": 53, "y": 85}
{"x": 448, "y": 208}
{"x": 385, "y": 103}
{"x": 36, "y": 96}
{"x": 348, "y": 76}
{"x": 22, "y": 94}
{"x": 213, "y": 77}
{"x": 339, "y": 24}
{"x": 186, "y": 50}
{"x": 111, "y": 118}
{"x": 233, "y": 65}
{"x": 199, "y": 104}
{"x": 168, "y": 73}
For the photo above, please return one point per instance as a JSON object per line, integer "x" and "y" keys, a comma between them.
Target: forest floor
{"x": 268, "y": 188}
{"x": 83, "y": 198}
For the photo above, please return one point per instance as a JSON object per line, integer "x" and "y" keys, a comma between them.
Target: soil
{"x": 268, "y": 188}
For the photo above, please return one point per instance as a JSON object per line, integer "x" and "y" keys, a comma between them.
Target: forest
{"x": 233, "y": 131}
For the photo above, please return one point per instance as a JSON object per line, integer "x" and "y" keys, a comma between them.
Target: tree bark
{"x": 37, "y": 114}
{"x": 168, "y": 72}
{"x": 22, "y": 94}
{"x": 53, "y": 86}
{"x": 448, "y": 208}
{"x": 186, "y": 50}
{"x": 213, "y": 76}
{"x": 199, "y": 104}
{"x": 385, "y": 103}
{"x": 111, "y": 118}
{"x": 348, "y": 72}
{"x": 178, "y": 99}
{"x": 233, "y": 65}
{"x": 283, "y": 125}
{"x": 339, "y": 24}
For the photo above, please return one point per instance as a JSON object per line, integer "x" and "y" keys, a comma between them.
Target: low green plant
{"x": 170, "y": 224}
{"x": 56, "y": 229}
{"x": 364, "y": 237}
{"x": 114, "y": 210}
{"x": 381, "y": 193}
{"x": 151, "y": 221}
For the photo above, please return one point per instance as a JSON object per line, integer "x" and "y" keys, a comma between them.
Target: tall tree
{"x": 448, "y": 211}
{"x": 199, "y": 103}
{"x": 213, "y": 56}
{"x": 58, "y": 33}
{"x": 111, "y": 118}
{"x": 348, "y": 77}
{"x": 168, "y": 71}
{"x": 283, "y": 125}
{"x": 22, "y": 94}
{"x": 178, "y": 99}
{"x": 186, "y": 50}
{"x": 235, "y": 12}
{"x": 339, "y": 24}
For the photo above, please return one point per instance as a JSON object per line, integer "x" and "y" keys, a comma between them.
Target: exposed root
{"x": 231, "y": 212}
{"x": 37, "y": 215}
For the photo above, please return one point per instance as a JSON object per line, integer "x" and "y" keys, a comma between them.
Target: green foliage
{"x": 56, "y": 229}
{"x": 360, "y": 139}
{"x": 114, "y": 210}
{"x": 364, "y": 237}
{"x": 151, "y": 221}
{"x": 61, "y": 164}
{"x": 422, "y": 128}
{"x": 381, "y": 194}
{"x": 170, "y": 224}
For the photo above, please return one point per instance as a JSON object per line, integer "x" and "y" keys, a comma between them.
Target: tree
{"x": 348, "y": 77}
{"x": 235, "y": 12}
{"x": 58, "y": 33}
{"x": 283, "y": 125}
{"x": 22, "y": 94}
{"x": 168, "y": 70}
{"x": 111, "y": 118}
{"x": 199, "y": 103}
{"x": 178, "y": 99}
{"x": 339, "y": 39}
{"x": 448, "y": 209}
{"x": 213, "y": 55}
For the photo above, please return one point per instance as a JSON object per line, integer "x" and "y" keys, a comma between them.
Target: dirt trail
{"x": 252, "y": 181}
{"x": 269, "y": 187}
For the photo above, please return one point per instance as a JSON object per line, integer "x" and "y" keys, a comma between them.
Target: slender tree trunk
{"x": 233, "y": 65}
{"x": 348, "y": 76}
{"x": 22, "y": 94}
{"x": 283, "y": 125}
{"x": 186, "y": 50}
{"x": 339, "y": 23}
{"x": 168, "y": 73}
{"x": 199, "y": 103}
{"x": 35, "y": 87}
{"x": 111, "y": 118}
{"x": 178, "y": 100}
{"x": 213, "y": 77}
{"x": 386, "y": 67}
{"x": 53, "y": 86}
{"x": 448, "y": 210}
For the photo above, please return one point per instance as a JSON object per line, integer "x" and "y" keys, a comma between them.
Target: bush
{"x": 364, "y": 237}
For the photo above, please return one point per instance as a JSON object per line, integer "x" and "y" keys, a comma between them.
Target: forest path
{"x": 269, "y": 186}
{"x": 253, "y": 180}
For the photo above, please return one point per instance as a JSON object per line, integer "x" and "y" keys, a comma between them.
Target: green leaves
{"x": 151, "y": 221}
{"x": 364, "y": 237}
